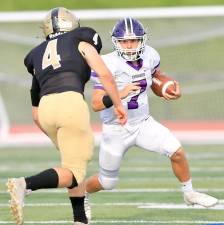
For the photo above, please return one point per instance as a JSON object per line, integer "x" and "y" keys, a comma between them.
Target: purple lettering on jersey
{"x": 133, "y": 104}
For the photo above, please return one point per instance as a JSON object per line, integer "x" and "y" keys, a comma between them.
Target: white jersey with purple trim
{"x": 136, "y": 103}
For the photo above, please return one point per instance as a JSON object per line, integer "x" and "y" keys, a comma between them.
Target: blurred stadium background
{"x": 191, "y": 50}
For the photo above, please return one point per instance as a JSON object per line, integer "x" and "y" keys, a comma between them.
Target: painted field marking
{"x": 30, "y": 168}
{"x": 128, "y": 190}
{"x": 143, "y": 205}
{"x": 123, "y": 222}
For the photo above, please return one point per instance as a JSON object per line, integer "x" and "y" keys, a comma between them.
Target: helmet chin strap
{"x": 131, "y": 57}
{"x": 132, "y": 54}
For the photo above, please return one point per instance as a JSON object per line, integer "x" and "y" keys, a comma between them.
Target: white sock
{"x": 187, "y": 186}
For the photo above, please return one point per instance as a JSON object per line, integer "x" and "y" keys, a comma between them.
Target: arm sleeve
{"x": 35, "y": 92}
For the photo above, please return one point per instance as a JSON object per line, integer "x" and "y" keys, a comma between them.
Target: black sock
{"x": 45, "y": 179}
{"x": 78, "y": 209}
{"x": 74, "y": 183}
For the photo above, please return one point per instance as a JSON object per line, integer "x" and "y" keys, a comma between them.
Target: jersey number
{"x": 133, "y": 103}
{"x": 51, "y": 57}
{"x": 95, "y": 39}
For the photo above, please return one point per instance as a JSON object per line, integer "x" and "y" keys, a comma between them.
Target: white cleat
{"x": 17, "y": 190}
{"x": 197, "y": 198}
{"x": 87, "y": 207}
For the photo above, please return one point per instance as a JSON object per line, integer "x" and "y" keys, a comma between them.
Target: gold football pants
{"x": 65, "y": 119}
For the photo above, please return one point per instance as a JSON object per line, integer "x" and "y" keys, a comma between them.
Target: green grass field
{"x": 145, "y": 179}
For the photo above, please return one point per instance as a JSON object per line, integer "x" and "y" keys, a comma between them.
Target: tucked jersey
{"x": 125, "y": 73}
{"x": 57, "y": 65}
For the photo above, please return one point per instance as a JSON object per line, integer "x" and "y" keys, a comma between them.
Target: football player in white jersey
{"x": 133, "y": 64}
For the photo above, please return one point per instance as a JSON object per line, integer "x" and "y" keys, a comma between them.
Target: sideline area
{"x": 188, "y": 132}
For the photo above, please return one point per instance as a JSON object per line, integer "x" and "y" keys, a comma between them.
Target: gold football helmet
{"x": 59, "y": 20}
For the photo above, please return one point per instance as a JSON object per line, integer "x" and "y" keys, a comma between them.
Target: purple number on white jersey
{"x": 133, "y": 103}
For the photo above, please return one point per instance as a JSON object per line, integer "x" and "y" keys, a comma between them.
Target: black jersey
{"x": 57, "y": 65}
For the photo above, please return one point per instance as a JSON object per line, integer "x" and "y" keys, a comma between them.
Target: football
{"x": 162, "y": 84}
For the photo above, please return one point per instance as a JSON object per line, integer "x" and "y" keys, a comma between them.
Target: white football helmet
{"x": 59, "y": 20}
{"x": 126, "y": 29}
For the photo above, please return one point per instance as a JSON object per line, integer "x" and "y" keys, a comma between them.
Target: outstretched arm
{"x": 95, "y": 61}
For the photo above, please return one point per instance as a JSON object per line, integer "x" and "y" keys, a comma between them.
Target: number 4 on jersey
{"x": 50, "y": 57}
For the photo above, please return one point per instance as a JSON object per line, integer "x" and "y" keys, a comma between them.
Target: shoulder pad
{"x": 89, "y": 35}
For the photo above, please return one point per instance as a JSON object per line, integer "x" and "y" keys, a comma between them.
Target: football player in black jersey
{"x": 61, "y": 66}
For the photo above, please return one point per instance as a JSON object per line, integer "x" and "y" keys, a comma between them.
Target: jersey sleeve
{"x": 89, "y": 35}
{"x": 155, "y": 61}
{"x": 109, "y": 62}
{"x": 96, "y": 81}
{"x": 35, "y": 92}
{"x": 29, "y": 64}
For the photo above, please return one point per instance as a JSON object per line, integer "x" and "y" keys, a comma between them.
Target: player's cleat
{"x": 197, "y": 198}
{"x": 17, "y": 190}
{"x": 87, "y": 207}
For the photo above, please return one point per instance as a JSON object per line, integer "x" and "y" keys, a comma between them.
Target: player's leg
{"x": 114, "y": 143}
{"x": 73, "y": 166}
{"x": 18, "y": 187}
{"x": 80, "y": 204}
{"x": 162, "y": 141}
{"x": 180, "y": 165}
{"x": 75, "y": 141}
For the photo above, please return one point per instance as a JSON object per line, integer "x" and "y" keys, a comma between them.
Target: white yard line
{"x": 124, "y": 222}
{"x": 158, "y": 179}
{"x": 30, "y": 168}
{"x": 129, "y": 190}
{"x": 151, "y": 205}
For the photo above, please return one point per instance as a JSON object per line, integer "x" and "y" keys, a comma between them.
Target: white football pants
{"x": 116, "y": 140}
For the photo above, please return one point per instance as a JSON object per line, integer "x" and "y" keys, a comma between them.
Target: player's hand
{"x": 175, "y": 93}
{"x": 121, "y": 114}
{"x": 130, "y": 88}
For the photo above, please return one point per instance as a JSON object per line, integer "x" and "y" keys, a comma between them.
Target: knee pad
{"x": 108, "y": 183}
